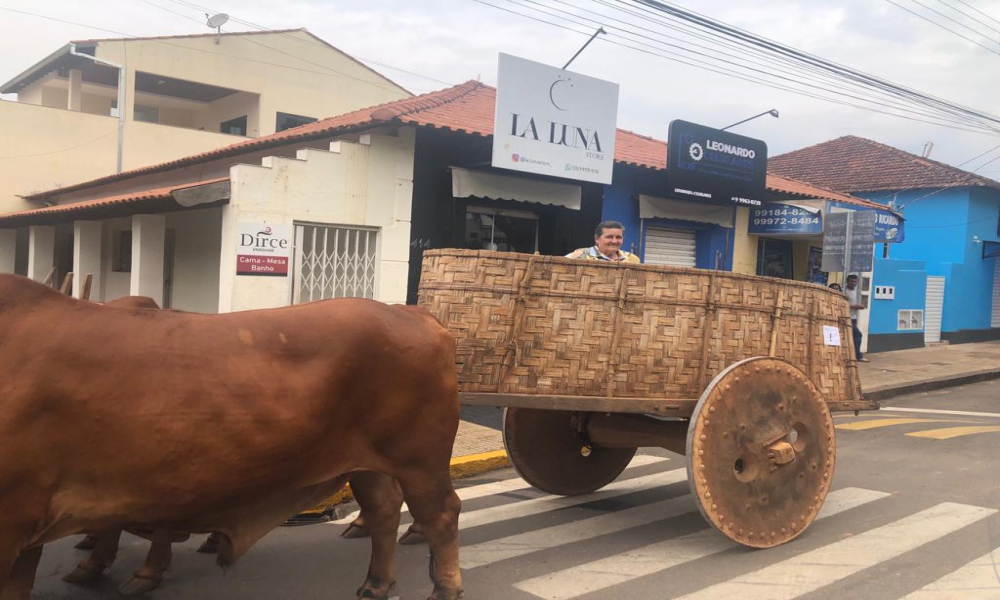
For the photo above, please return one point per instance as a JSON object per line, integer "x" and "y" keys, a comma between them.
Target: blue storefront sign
{"x": 786, "y": 219}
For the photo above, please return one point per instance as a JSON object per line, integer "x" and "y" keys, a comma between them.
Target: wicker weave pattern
{"x": 549, "y": 325}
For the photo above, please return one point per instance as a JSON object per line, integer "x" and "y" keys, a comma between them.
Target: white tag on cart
{"x": 831, "y": 335}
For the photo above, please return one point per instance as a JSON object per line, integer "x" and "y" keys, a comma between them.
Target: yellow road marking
{"x": 875, "y": 424}
{"x": 952, "y": 432}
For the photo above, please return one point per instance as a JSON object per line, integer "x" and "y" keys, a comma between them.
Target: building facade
{"x": 943, "y": 282}
{"x": 95, "y": 107}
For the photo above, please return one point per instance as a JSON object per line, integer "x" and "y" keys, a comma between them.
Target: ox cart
{"x": 593, "y": 360}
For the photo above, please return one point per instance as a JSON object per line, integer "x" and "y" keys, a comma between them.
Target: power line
{"x": 727, "y": 61}
{"x": 933, "y": 22}
{"x": 730, "y": 73}
{"x": 87, "y": 143}
{"x": 979, "y": 11}
{"x": 968, "y": 16}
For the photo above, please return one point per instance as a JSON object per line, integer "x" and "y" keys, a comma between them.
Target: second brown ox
{"x": 103, "y": 420}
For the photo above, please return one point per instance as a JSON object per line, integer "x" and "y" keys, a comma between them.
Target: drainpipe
{"x": 121, "y": 98}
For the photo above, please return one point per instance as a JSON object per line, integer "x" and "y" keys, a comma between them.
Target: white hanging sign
{"x": 554, "y": 122}
{"x": 831, "y": 335}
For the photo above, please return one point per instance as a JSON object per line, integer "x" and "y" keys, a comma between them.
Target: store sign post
{"x": 710, "y": 164}
{"x": 784, "y": 218}
{"x": 263, "y": 250}
{"x": 554, "y": 122}
{"x": 848, "y": 242}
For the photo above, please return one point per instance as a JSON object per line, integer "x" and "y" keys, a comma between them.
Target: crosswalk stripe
{"x": 604, "y": 573}
{"x": 513, "y": 484}
{"x": 947, "y": 433}
{"x": 935, "y": 411}
{"x": 812, "y": 570}
{"x": 977, "y": 579}
{"x": 478, "y": 555}
{"x": 876, "y": 423}
{"x": 536, "y": 506}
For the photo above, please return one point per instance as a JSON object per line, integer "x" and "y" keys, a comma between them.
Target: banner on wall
{"x": 554, "y": 122}
{"x": 710, "y": 164}
{"x": 263, "y": 250}
{"x": 786, "y": 219}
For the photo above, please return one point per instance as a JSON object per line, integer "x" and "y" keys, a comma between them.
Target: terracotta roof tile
{"x": 85, "y": 206}
{"x": 856, "y": 164}
{"x": 174, "y": 37}
{"x": 467, "y": 108}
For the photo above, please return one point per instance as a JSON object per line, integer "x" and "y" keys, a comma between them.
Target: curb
{"x": 461, "y": 467}
{"x": 926, "y": 385}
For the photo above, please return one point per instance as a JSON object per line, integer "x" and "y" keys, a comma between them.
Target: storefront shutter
{"x": 934, "y": 310}
{"x": 995, "y": 320}
{"x": 672, "y": 247}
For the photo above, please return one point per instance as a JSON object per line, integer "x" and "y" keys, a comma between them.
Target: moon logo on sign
{"x": 553, "y": 92}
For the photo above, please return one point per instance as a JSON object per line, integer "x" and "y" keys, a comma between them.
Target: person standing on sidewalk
{"x": 608, "y": 239}
{"x": 854, "y": 300}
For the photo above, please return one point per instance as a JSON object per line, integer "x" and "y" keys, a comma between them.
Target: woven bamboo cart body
{"x": 648, "y": 339}
{"x": 593, "y": 360}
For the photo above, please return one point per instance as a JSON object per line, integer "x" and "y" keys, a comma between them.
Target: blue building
{"x": 943, "y": 282}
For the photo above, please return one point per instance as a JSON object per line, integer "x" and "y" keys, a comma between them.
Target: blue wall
{"x": 940, "y": 226}
{"x": 910, "y": 280}
{"x": 621, "y": 203}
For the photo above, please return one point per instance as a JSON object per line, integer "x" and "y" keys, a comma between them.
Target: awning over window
{"x": 481, "y": 184}
{"x": 651, "y": 207}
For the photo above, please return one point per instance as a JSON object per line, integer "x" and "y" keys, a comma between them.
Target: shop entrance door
{"x": 933, "y": 310}
{"x": 774, "y": 258}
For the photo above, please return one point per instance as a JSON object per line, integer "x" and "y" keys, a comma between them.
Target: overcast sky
{"x": 452, "y": 41}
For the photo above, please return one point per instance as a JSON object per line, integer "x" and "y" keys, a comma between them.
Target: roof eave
{"x": 11, "y": 87}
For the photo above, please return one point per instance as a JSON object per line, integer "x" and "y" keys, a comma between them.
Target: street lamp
{"x": 773, "y": 112}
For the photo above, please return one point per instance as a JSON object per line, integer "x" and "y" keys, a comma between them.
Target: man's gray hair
{"x": 599, "y": 230}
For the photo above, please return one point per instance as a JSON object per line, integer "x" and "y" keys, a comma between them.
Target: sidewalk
{"x": 479, "y": 449}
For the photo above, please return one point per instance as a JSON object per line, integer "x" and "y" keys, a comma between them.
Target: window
{"x": 774, "y": 258}
{"x": 501, "y": 230}
{"x": 121, "y": 252}
{"x": 147, "y": 114}
{"x": 909, "y": 320}
{"x": 114, "y": 108}
{"x": 287, "y": 121}
{"x": 237, "y": 126}
{"x": 334, "y": 262}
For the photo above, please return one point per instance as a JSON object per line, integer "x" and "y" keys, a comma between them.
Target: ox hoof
{"x": 84, "y": 575}
{"x": 354, "y": 532}
{"x": 412, "y": 537}
{"x": 445, "y": 594}
{"x": 139, "y": 585}
{"x": 209, "y": 546}
{"x": 372, "y": 589}
{"x": 87, "y": 543}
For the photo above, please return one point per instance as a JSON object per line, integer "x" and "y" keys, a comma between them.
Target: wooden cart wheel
{"x": 761, "y": 452}
{"x": 546, "y": 451}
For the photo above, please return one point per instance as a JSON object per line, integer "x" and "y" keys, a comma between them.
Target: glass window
{"x": 121, "y": 252}
{"x": 501, "y": 230}
{"x": 774, "y": 258}
{"x": 287, "y": 121}
{"x": 147, "y": 114}
{"x": 237, "y": 126}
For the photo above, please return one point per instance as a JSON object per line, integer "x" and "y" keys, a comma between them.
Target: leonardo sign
{"x": 711, "y": 164}
{"x": 262, "y": 250}
{"x": 554, "y": 122}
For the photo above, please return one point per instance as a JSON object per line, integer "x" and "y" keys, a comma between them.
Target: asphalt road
{"x": 912, "y": 513}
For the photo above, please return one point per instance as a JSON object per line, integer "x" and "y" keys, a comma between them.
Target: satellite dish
{"x": 218, "y": 20}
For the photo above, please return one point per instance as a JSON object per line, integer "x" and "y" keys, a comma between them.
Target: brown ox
{"x": 104, "y": 411}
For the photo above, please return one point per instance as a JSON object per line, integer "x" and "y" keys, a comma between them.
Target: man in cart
{"x": 608, "y": 239}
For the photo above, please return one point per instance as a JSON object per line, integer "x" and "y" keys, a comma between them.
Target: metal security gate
{"x": 995, "y": 317}
{"x": 934, "y": 310}
{"x": 334, "y": 262}
{"x": 673, "y": 247}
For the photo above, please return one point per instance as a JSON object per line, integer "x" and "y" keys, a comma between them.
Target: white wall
{"x": 361, "y": 184}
